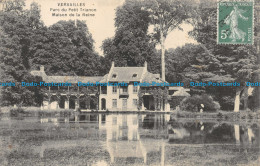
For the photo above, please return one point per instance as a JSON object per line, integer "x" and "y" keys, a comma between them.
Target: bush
{"x": 192, "y": 103}
{"x": 15, "y": 112}
{"x": 175, "y": 101}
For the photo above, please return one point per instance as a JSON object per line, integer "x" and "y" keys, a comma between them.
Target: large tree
{"x": 180, "y": 59}
{"x": 226, "y": 63}
{"x": 65, "y": 49}
{"x": 17, "y": 28}
{"x": 131, "y": 45}
{"x": 26, "y": 43}
{"x": 190, "y": 63}
{"x": 165, "y": 16}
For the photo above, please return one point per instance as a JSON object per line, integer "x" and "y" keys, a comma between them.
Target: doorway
{"x": 124, "y": 104}
{"x": 103, "y": 104}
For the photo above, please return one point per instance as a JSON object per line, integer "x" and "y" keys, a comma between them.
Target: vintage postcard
{"x": 129, "y": 82}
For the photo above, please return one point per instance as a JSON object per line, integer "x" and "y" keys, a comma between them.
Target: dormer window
{"x": 134, "y": 75}
{"x": 157, "y": 76}
{"x": 114, "y": 76}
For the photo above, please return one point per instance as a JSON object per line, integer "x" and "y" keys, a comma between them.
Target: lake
{"x": 127, "y": 139}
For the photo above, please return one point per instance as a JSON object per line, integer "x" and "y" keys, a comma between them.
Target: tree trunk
{"x": 237, "y": 100}
{"x": 163, "y": 55}
{"x": 237, "y": 133}
{"x": 246, "y": 98}
{"x": 258, "y": 77}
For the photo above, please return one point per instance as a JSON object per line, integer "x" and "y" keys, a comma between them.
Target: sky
{"x": 101, "y": 25}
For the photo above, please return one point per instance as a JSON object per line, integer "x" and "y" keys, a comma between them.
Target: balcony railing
{"x": 123, "y": 94}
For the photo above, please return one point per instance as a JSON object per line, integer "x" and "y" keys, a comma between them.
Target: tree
{"x": 191, "y": 63}
{"x": 65, "y": 49}
{"x": 17, "y": 28}
{"x": 131, "y": 46}
{"x": 166, "y": 15}
{"x": 26, "y": 43}
{"x": 179, "y": 60}
{"x": 227, "y": 63}
{"x": 192, "y": 103}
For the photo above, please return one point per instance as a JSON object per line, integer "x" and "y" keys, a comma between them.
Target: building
{"x": 123, "y": 97}
{"x": 67, "y": 97}
{"x": 127, "y": 97}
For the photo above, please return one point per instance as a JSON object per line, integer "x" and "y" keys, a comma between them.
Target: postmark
{"x": 235, "y": 22}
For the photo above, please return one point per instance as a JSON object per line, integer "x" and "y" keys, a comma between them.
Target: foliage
{"x": 65, "y": 49}
{"x": 179, "y": 61}
{"x": 175, "y": 101}
{"x": 192, "y": 103}
{"x": 15, "y": 112}
{"x": 131, "y": 45}
{"x": 26, "y": 43}
{"x": 166, "y": 15}
{"x": 159, "y": 95}
{"x": 253, "y": 101}
{"x": 220, "y": 63}
{"x": 17, "y": 27}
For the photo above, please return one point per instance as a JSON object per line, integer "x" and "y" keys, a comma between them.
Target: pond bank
{"x": 36, "y": 111}
{"x": 218, "y": 115}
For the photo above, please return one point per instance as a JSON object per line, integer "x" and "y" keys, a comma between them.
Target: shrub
{"x": 175, "y": 101}
{"x": 16, "y": 112}
{"x": 192, "y": 103}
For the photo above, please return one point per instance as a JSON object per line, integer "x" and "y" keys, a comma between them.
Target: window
{"x": 114, "y": 76}
{"x": 114, "y": 103}
{"x": 124, "y": 103}
{"x": 135, "y": 102}
{"x": 114, "y": 121}
{"x": 114, "y": 89}
{"x": 135, "y": 89}
{"x": 114, "y": 135}
{"x": 103, "y": 120}
{"x": 103, "y": 89}
{"x": 125, "y": 88}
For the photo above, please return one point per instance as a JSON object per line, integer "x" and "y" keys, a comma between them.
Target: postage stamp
{"x": 235, "y": 22}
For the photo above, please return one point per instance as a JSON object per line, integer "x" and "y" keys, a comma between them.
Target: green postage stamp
{"x": 235, "y": 22}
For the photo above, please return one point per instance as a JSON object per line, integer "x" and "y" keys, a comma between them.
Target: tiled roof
{"x": 73, "y": 79}
{"x": 181, "y": 93}
{"x": 104, "y": 79}
{"x": 176, "y": 88}
{"x": 126, "y": 74}
{"x": 69, "y": 79}
{"x": 116, "y": 74}
{"x": 38, "y": 73}
{"x": 150, "y": 77}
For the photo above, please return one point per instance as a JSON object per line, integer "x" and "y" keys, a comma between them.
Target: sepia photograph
{"x": 129, "y": 82}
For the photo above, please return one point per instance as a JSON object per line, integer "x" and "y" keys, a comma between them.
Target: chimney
{"x": 157, "y": 76}
{"x": 145, "y": 65}
{"x": 41, "y": 68}
{"x": 113, "y": 64}
{"x": 110, "y": 71}
{"x": 144, "y": 71}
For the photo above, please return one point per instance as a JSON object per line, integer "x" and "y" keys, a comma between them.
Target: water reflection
{"x": 126, "y": 139}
